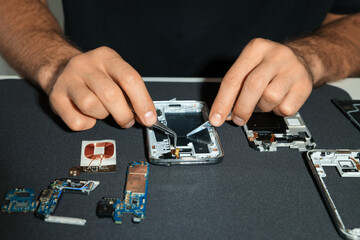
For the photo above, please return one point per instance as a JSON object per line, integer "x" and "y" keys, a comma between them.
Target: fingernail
{"x": 216, "y": 119}
{"x": 150, "y": 118}
{"x": 238, "y": 121}
{"x": 130, "y": 124}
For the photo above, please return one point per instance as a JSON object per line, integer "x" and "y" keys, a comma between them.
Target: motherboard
{"x": 135, "y": 196}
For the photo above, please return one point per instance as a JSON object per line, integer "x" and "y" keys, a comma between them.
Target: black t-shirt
{"x": 191, "y": 38}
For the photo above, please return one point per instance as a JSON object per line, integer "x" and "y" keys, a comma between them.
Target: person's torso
{"x": 187, "y": 38}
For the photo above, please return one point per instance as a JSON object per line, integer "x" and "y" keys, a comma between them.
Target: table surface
{"x": 250, "y": 195}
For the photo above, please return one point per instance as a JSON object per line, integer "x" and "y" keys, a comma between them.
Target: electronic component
{"x": 183, "y": 117}
{"x": 135, "y": 196}
{"x": 351, "y": 109}
{"x": 64, "y": 220}
{"x": 20, "y": 200}
{"x": 347, "y": 162}
{"x": 76, "y": 171}
{"x": 49, "y": 198}
{"x": 166, "y": 129}
{"x": 203, "y": 126}
{"x": 267, "y": 131}
{"x": 96, "y": 156}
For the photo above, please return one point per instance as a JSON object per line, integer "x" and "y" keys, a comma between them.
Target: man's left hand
{"x": 266, "y": 74}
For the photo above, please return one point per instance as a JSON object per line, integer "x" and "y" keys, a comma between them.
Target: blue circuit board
{"x": 20, "y": 200}
{"x": 135, "y": 195}
{"x": 50, "y": 197}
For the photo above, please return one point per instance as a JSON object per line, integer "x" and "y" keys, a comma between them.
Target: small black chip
{"x": 266, "y": 122}
{"x": 104, "y": 209}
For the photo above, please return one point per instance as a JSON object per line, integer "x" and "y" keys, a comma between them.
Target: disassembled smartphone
{"x": 351, "y": 109}
{"x": 347, "y": 163}
{"x": 267, "y": 131}
{"x": 182, "y": 117}
{"x": 135, "y": 196}
{"x": 20, "y": 200}
{"x": 50, "y": 197}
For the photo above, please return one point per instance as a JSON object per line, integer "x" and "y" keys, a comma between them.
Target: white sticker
{"x": 99, "y": 150}
{"x": 98, "y": 153}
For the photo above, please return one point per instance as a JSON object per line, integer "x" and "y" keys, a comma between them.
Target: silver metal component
{"x": 203, "y": 126}
{"x": 289, "y": 132}
{"x": 339, "y": 158}
{"x": 65, "y": 220}
{"x": 206, "y": 124}
{"x": 167, "y": 130}
{"x": 92, "y": 185}
{"x": 163, "y": 127}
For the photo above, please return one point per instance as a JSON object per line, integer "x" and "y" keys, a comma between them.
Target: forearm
{"x": 32, "y": 41}
{"x": 332, "y": 52}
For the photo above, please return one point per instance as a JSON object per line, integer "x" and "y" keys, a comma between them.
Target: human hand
{"x": 98, "y": 83}
{"x": 266, "y": 74}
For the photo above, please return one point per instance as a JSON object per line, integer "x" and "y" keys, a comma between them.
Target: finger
{"x": 86, "y": 101}
{"x": 231, "y": 85}
{"x": 133, "y": 86}
{"x": 295, "y": 98}
{"x": 275, "y": 92}
{"x": 111, "y": 97}
{"x": 68, "y": 112}
{"x": 252, "y": 90}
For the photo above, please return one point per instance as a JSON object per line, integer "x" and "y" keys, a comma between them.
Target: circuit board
{"x": 20, "y": 200}
{"x": 267, "y": 131}
{"x": 50, "y": 197}
{"x": 135, "y": 196}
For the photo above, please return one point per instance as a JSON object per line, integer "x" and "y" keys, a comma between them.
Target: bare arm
{"x": 82, "y": 87}
{"x": 280, "y": 77}
{"x": 333, "y": 51}
{"x": 32, "y": 41}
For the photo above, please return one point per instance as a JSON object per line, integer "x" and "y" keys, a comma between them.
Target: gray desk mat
{"x": 250, "y": 195}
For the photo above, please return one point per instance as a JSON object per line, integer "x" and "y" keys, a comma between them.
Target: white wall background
{"x": 56, "y": 9}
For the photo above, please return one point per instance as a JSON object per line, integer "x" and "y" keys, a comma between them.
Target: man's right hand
{"x": 98, "y": 83}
